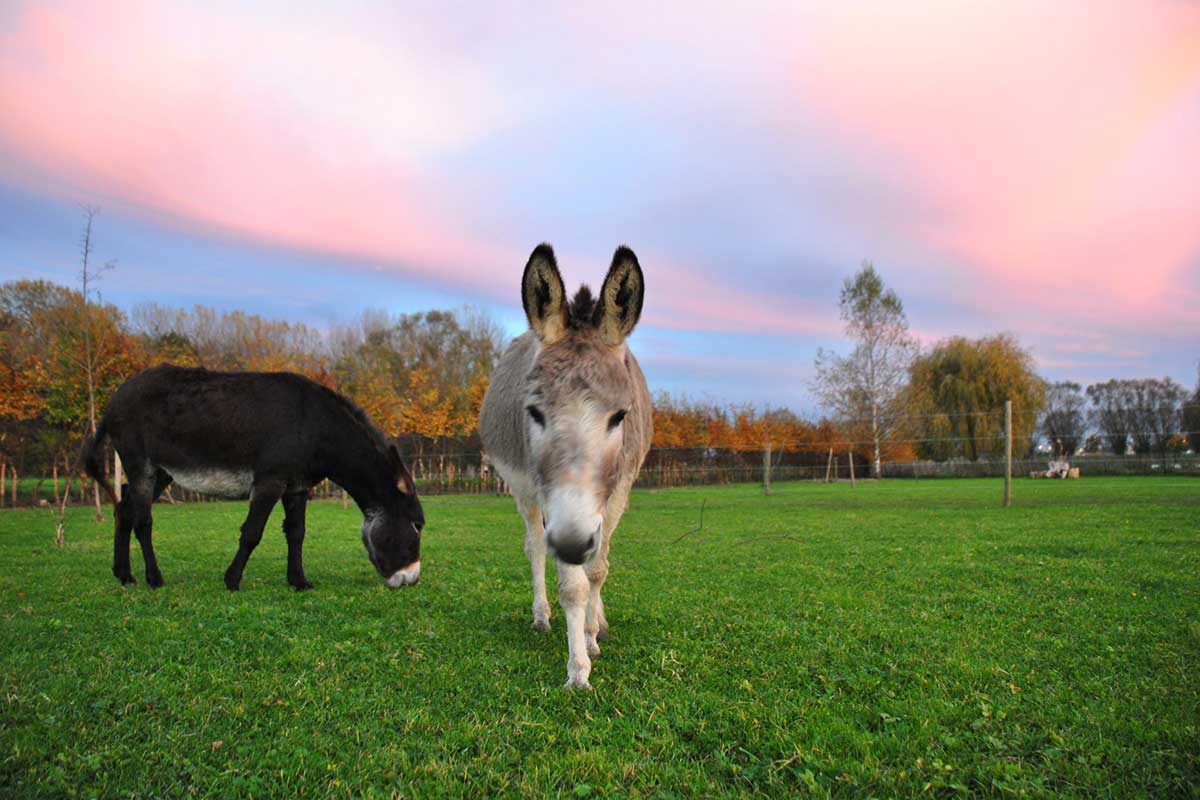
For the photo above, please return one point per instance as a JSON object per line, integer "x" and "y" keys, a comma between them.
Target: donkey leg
{"x": 573, "y": 596}
{"x": 597, "y": 572}
{"x": 143, "y": 523}
{"x": 122, "y": 530}
{"x": 597, "y": 624}
{"x": 263, "y": 498}
{"x": 143, "y": 527}
{"x": 535, "y": 550}
{"x": 294, "y": 505}
{"x": 601, "y": 620}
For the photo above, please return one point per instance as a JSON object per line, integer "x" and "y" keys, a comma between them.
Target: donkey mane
{"x": 378, "y": 440}
{"x": 581, "y": 310}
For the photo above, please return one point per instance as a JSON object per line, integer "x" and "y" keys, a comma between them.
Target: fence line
{"x": 468, "y": 472}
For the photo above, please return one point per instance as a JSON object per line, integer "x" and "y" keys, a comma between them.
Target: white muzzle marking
{"x": 405, "y": 577}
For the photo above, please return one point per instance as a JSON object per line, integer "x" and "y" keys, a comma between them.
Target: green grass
{"x": 909, "y": 639}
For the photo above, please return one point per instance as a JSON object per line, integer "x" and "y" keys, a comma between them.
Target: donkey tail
{"x": 92, "y": 456}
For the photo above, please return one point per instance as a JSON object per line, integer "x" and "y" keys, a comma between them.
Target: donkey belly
{"x": 229, "y": 484}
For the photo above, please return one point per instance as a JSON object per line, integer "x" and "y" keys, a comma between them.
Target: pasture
{"x": 897, "y": 639}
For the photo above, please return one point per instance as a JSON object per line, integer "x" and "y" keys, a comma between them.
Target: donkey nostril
{"x": 591, "y": 542}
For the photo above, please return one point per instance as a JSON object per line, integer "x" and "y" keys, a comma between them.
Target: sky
{"x": 1022, "y": 167}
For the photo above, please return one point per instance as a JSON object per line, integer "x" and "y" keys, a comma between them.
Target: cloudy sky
{"x": 1008, "y": 166}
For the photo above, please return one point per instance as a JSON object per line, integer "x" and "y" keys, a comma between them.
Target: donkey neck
{"x": 365, "y": 473}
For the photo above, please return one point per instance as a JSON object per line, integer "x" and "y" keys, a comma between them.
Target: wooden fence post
{"x": 829, "y": 466}
{"x": 1007, "y": 453}
{"x": 850, "y": 458}
{"x": 767, "y": 470}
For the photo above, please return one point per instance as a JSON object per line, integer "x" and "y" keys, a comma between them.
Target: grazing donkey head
{"x": 577, "y": 395}
{"x": 391, "y": 532}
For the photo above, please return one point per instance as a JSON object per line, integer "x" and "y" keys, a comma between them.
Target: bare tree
{"x": 1145, "y": 412}
{"x": 1063, "y": 419}
{"x": 87, "y": 278}
{"x": 1191, "y": 416}
{"x": 1159, "y": 412}
{"x": 869, "y": 383}
{"x": 1111, "y": 402}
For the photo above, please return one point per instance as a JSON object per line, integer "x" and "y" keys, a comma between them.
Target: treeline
{"x": 418, "y": 375}
{"x": 1147, "y": 415}
{"x": 422, "y": 377}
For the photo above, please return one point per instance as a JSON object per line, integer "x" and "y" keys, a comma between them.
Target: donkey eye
{"x": 616, "y": 420}
{"x": 537, "y": 416}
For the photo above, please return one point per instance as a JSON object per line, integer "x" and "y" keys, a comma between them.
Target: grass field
{"x": 908, "y": 639}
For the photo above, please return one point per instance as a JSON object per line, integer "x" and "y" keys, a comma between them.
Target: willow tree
{"x": 959, "y": 388}
{"x": 869, "y": 383}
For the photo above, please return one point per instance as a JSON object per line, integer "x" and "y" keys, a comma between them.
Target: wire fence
{"x": 442, "y": 470}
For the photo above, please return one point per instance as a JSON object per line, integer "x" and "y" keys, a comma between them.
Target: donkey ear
{"x": 543, "y": 295}
{"x": 620, "y": 303}
{"x": 405, "y": 482}
{"x": 404, "y": 478}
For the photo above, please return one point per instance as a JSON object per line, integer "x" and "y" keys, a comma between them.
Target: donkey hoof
{"x": 127, "y": 580}
{"x": 301, "y": 585}
{"x": 602, "y": 634}
{"x": 155, "y": 581}
{"x": 542, "y": 625}
{"x": 593, "y": 649}
{"x": 578, "y": 683}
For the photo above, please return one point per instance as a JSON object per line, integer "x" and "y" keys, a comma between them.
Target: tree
{"x": 94, "y": 349}
{"x": 1157, "y": 413}
{"x": 21, "y": 372}
{"x": 1191, "y": 416}
{"x": 1111, "y": 403}
{"x": 30, "y": 316}
{"x": 869, "y": 383}
{"x": 433, "y": 366}
{"x": 1063, "y": 420}
{"x": 959, "y": 389}
{"x": 1144, "y": 412}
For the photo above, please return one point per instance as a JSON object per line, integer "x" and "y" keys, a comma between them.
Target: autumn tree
{"x": 21, "y": 385}
{"x": 22, "y": 354}
{"x": 869, "y": 382}
{"x": 420, "y": 375}
{"x": 231, "y": 340}
{"x": 959, "y": 389}
{"x": 30, "y": 313}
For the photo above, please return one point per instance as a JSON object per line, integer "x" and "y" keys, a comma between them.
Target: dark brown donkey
{"x": 266, "y": 436}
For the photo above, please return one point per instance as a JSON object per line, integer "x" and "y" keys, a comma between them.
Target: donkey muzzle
{"x": 575, "y": 547}
{"x": 405, "y": 577}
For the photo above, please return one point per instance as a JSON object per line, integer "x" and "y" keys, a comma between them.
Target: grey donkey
{"x": 567, "y": 422}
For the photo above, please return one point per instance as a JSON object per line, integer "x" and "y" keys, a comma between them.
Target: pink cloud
{"x": 306, "y": 138}
{"x": 1040, "y": 141}
{"x": 213, "y": 129}
{"x": 1045, "y": 135}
